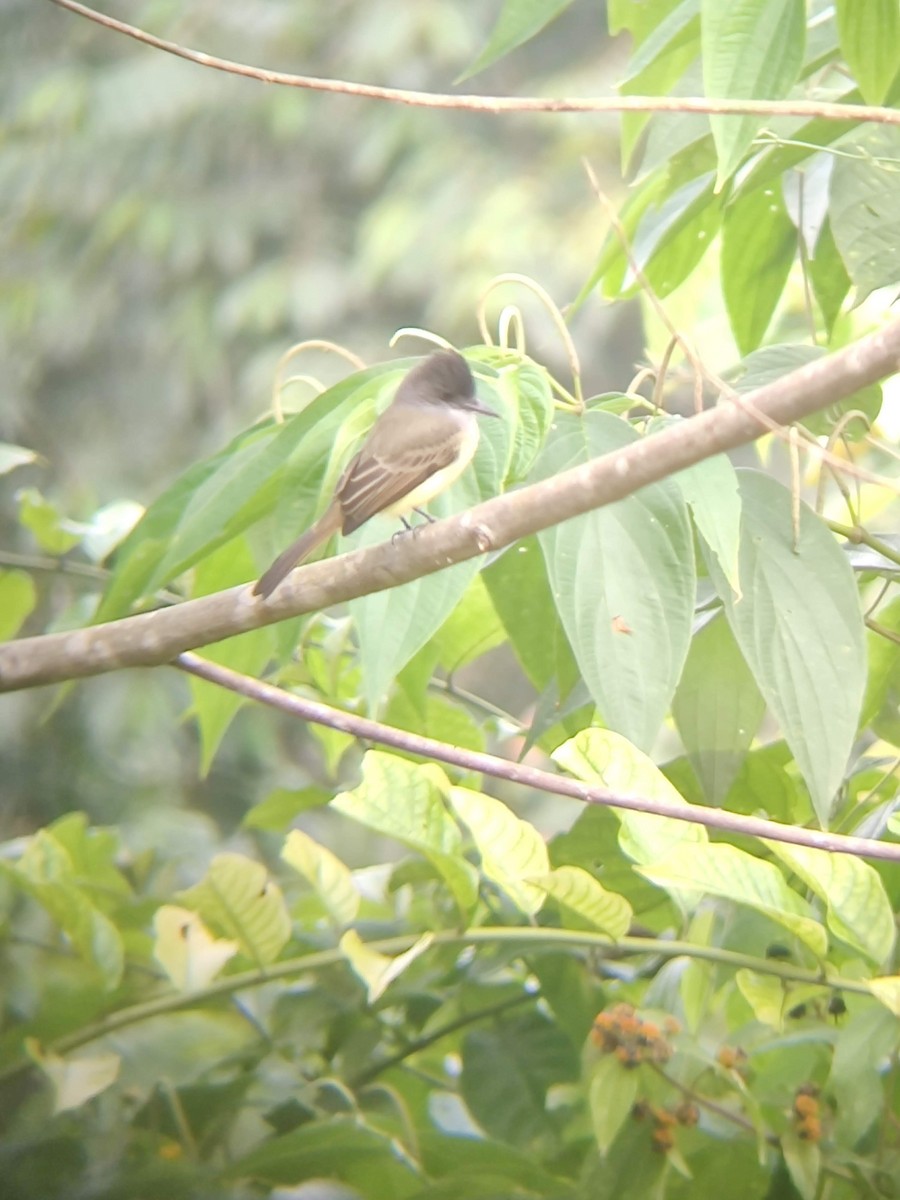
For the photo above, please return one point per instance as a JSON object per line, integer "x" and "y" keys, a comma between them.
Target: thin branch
{"x": 521, "y": 773}
{"x": 496, "y": 105}
{"x": 527, "y": 936}
{"x": 154, "y": 638}
{"x": 373, "y": 1070}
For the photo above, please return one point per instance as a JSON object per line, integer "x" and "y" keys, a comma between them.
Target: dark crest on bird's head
{"x": 443, "y": 376}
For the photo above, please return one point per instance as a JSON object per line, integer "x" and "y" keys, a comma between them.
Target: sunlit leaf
{"x": 406, "y": 802}
{"x": 237, "y": 897}
{"x": 378, "y": 971}
{"x": 186, "y": 950}
{"x": 803, "y": 642}
{"x": 722, "y": 870}
{"x": 623, "y": 581}
{"x": 581, "y": 897}
{"x": 329, "y": 877}
{"x": 510, "y": 849}
{"x": 857, "y": 905}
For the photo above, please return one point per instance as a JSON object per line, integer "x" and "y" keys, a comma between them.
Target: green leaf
{"x": 857, "y": 906}
{"x": 52, "y": 531}
{"x": 186, "y": 950}
{"x": 672, "y": 237}
{"x": 863, "y": 1043}
{"x": 772, "y": 362}
{"x": 18, "y": 597}
{"x": 612, "y": 1093}
{"x": 527, "y": 393}
{"x": 886, "y": 989}
{"x": 331, "y": 880}
{"x": 378, "y": 971}
{"x": 804, "y": 1163}
{"x": 237, "y": 896}
{"x": 76, "y": 1078}
{"x": 518, "y": 22}
{"x": 713, "y": 496}
{"x": 657, "y": 65}
{"x": 46, "y": 873}
{"x": 520, "y": 593}
{"x": 863, "y": 212}
{"x": 803, "y": 642}
{"x": 338, "y": 1149}
{"x": 765, "y": 994}
{"x": 471, "y": 630}
{"x": 869, "y": 31}
{"x": 507, "y": 1070}
{"x": 829, "y": 278}
{"x": 722, "y": 870}
{"x": 266, "y": 468}
{"x": 511, "y": 850}
{"x": 215, "y": 706}
{"x": 623, "y": 580}
{"x": 599, "y": 756}
{"x": 282, "y": 806}
{"x": 406, "y": 802}
{"x": 752, "y": 50}
{"x": 717, "y": 708}
{"x": 582, "y": 897}
{"x": 759, "y": 242}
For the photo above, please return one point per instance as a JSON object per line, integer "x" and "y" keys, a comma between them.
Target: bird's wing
{"x": 392, "y": 464}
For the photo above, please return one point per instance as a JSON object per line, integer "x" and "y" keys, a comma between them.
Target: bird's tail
{"x": 329, "y": 523}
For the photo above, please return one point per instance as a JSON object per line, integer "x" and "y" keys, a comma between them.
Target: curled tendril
{"x": 512, "y": 316}
{"x": 279, "y": 384}
{"x": 424, "y": 334}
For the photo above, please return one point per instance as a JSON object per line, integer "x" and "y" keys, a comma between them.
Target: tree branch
{"x": 521, "y": 773}
{"x": 151, "y": 639}
{"x": 496, "y": 105}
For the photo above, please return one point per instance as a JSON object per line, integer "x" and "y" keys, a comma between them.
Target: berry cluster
{"x": 732, "y": 1058}
{"x": 620, "y": 1031}
{"x": 807, "y": 1115}
{"x": 665, "y": 1120}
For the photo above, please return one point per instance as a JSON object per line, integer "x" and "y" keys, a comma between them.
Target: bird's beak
{"x": 473, "y": 404}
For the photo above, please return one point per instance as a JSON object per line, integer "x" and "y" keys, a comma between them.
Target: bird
{"x": 420, "y": 444}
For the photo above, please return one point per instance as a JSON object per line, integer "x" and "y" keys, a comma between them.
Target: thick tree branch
{"x": 151, "y": 639}
{"x": 494, "y": 105}
{"x": 521, "y": 773}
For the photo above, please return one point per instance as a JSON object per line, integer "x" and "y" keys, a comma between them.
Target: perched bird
{"x": 420, "y": 444}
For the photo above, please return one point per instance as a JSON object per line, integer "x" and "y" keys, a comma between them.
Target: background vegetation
{"x": 244, "y": 953}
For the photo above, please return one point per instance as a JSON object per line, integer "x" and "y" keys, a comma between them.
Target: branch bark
{"x": 497, "y": 105}
{"x": 151, "y": 639}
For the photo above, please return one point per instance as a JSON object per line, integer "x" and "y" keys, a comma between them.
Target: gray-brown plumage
{"x": 418, "y": 446}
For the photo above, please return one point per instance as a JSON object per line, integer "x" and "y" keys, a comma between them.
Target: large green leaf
{"x": 857, "y": 906}
{"x": 237, "y": 897}
{"x": 722, "y": 870}
{"x": 506, "y": 1071}
{"x": 406, "y": 802}
{"x": 511, "y": 850}
{"x": 799, "y": 625}
{"x": 265, "y": 467}
{"x": 759, "y": 241}
{"x": 213, "y": 706}
{"x": 717, "y": 708}
{"x": 336, "y": 1148}
{"x": 599, "y": 756}
{"x": 518, "y": 22}
{"x": 623, "y": 581}
{"x": 870, "y": 42}
{"x": 612, "y": 1092}
{"x": 48, "y": 874}
{"x": 752, "y": 50}
{"x": 864, "y": 215}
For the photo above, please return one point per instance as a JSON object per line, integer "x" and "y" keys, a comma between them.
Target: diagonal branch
{"x": 151, "y": 639}
{"x": 495, "y": 105}
{"x": 521, "y": 773}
